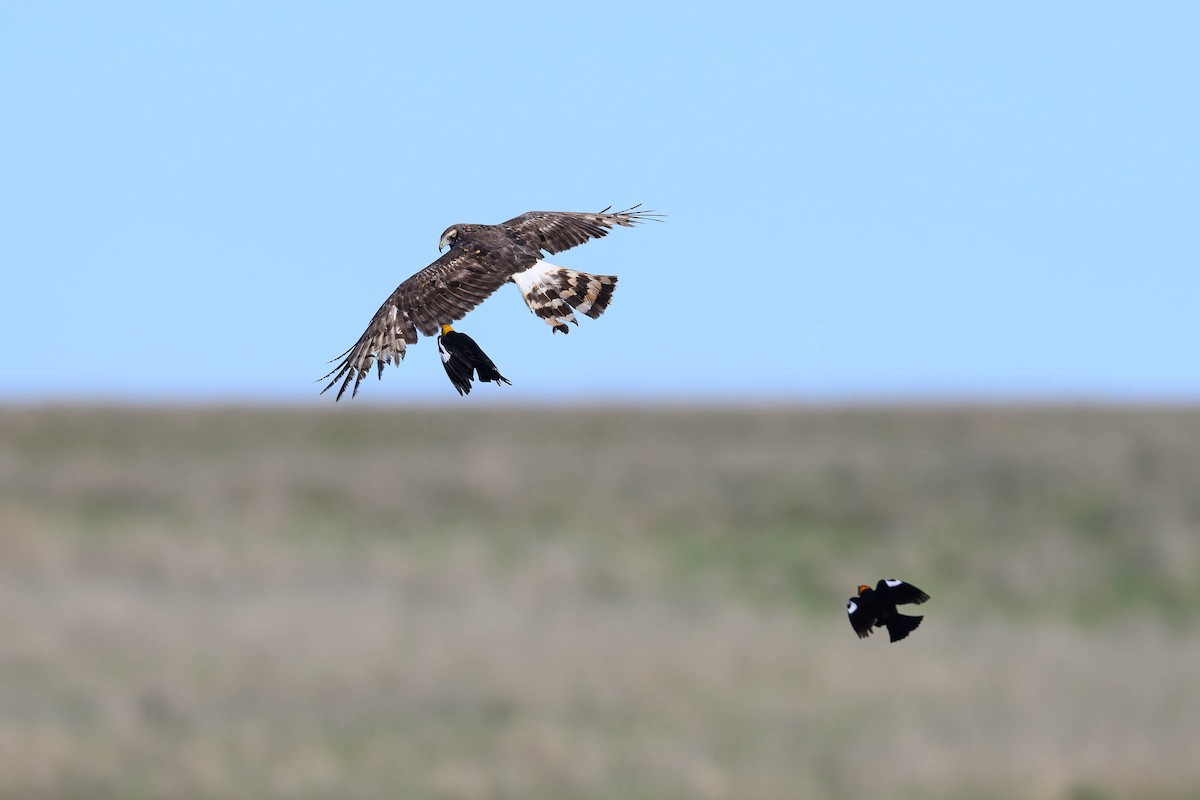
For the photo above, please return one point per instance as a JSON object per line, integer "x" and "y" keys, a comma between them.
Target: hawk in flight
{"x": 480, "y": 260}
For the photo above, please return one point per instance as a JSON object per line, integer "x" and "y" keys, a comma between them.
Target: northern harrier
{"x": 481, "y": 259}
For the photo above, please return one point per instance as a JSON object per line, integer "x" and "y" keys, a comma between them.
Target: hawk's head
{"x": 451, "y": 235}
{"x": 457, "y": 234}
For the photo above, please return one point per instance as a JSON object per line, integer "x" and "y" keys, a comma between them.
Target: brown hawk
{"x": 480, "y": 260}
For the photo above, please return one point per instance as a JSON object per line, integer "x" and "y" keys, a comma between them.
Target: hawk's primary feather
{"x": 555, "y": 231}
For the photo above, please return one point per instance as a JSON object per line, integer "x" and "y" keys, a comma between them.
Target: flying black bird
{"x": 461, "y": 357}
{"x": 877, "y": 608}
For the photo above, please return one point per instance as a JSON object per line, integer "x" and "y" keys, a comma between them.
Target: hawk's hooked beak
{"x": 446, "y": 329}
{"x": 441, "y": 245}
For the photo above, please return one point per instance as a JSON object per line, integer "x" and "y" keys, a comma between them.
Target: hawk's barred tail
{"x": 588, "y": 294}
{"x": 551, "y": 292}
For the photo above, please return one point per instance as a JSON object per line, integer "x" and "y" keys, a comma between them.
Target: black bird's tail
{"x": 901, "y": 625}
{"x": 488, "y": 373}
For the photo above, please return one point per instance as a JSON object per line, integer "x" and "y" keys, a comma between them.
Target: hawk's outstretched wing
{"x": 555, "y": 231}
{"x": 437, "y": 295}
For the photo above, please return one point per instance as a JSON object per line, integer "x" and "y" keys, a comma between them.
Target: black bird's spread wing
{"x": 862, "y": 617}
{"x": 437, "y": 295}
{"x": 555, "y": 231}
{"x": 457, "y": 369}
{"x": 900, "y": 592}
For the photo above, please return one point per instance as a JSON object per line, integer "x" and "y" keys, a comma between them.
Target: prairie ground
{"x": 608, "y": 603}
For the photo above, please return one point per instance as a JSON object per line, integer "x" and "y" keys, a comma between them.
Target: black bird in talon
{"x": 462, "y": 358}
{"x": 877, "y": 608}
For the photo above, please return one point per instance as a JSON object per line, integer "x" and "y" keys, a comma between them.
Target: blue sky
{"x": 207, "y": 201}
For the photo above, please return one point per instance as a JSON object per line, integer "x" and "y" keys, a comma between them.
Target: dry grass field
{"x": 526, "y": 604}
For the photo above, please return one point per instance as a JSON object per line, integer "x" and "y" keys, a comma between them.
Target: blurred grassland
{"x": 617, "y": 603}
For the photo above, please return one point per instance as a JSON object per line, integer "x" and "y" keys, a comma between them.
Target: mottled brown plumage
{"x": 480, "y": 260}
